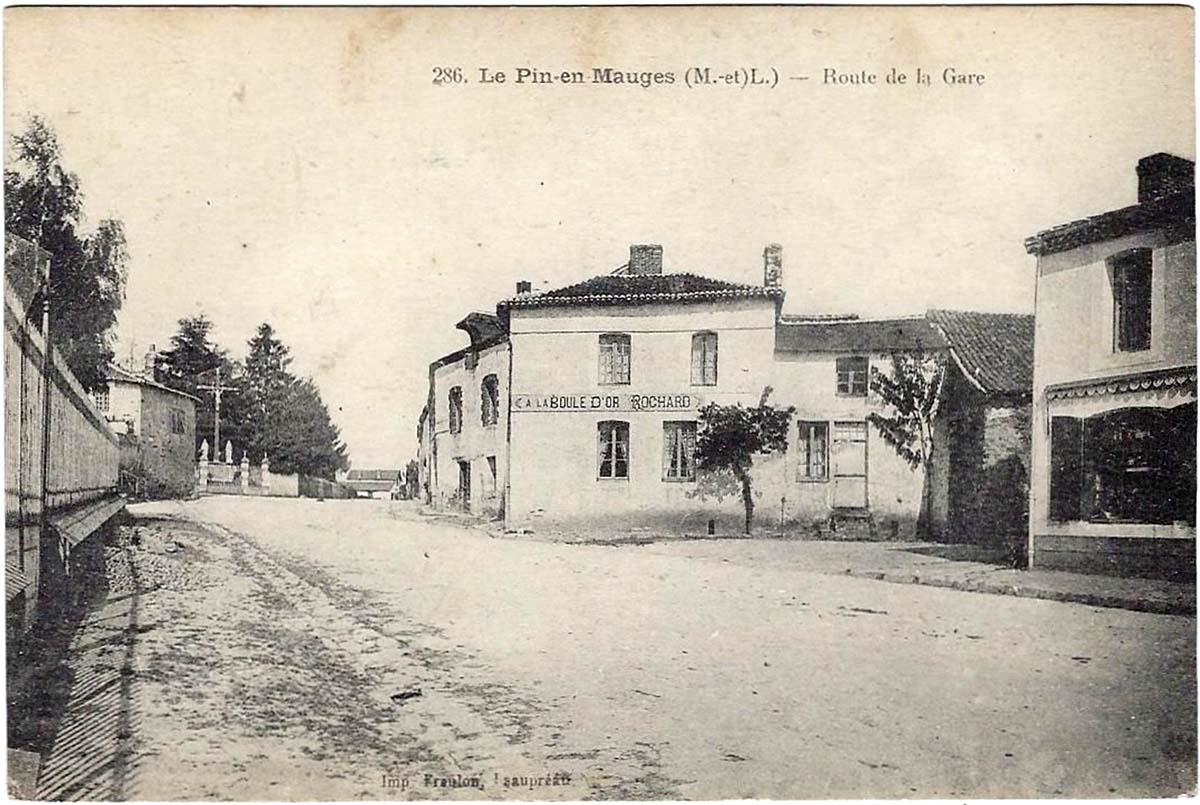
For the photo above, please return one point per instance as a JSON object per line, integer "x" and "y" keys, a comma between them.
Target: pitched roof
{"x": 1175, "y": 210}
{"x": 993, "y": 350}
{"x": 120, "y": 374}
{"x": 642, "y": 289}
{"x": 855, "y": 335}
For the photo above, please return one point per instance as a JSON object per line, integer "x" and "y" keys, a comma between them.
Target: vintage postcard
{"x": 626, "y": 403}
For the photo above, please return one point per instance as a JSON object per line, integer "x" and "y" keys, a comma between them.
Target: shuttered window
{"x": 704, "y": 359}
{"x": 614, "y": 359}
{"x": 1066, "y": 468}
{"x": 813, "y": 441}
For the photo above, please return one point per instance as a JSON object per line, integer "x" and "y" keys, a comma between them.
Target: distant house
{"x": 374, "y": 483}
{"x": 156, "y": 426}
{"x": 1113, "y": 485}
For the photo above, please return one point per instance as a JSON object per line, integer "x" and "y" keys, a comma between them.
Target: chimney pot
{"x": 773, "y": 266}
{"x": 524, "y": 286}
{"x": 645, "y": 258}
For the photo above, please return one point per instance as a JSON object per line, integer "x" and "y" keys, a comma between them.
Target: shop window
{"x": 614, "y": 359}
{"x": 455, "y": 410}
{"x": 704, "y": 359}
{"x": 490, "y": 400}
{"x": 1131, "y": 465}
{"x": 614, "y": 449}
{"x": 813, "y": 460}
{"x": 1130, "y": 274}
{"x": 852, "y": 377}
{"x": 679, "y": 451}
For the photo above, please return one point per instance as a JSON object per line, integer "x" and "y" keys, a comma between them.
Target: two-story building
{"x": 578, "y": 408}
{"x": 1113, "y": 485}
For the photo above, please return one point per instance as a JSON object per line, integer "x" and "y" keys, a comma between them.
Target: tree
{"x": 913, "y": 390}
{"x": 412, "y": 479}
{"x": 192, "y": 361}
{"x": 44, "y": 205}
{"x": 282, "y": 417}
{"x": 729, "y": 438}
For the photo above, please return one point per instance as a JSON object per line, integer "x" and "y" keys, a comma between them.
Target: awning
{"x": 15, "y": 581}
{"x": 78, "y": 524}
{"x": 1183, "y": 377}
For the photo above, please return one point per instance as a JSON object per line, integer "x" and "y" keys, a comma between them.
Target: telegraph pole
{"x": 217, "y": 389}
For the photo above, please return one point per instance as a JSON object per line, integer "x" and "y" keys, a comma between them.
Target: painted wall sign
{"x": 539, "y": 403}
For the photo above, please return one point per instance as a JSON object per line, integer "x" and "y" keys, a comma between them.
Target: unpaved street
{"x": 353, "y": 649}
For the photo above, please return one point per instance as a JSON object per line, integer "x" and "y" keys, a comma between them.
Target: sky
{"x": 300, "y": 166}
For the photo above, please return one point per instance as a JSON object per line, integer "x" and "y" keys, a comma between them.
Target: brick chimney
{"x": 524, "y": 286}
{"x": 773, "y": 266}
{"x": 1161, "y": 175}
{"x": 645, "y": 258}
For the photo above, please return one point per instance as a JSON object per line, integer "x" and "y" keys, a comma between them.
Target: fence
{"x": 51, "y": 425}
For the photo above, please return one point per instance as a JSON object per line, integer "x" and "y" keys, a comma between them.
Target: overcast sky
{"x": 299, "y": 166}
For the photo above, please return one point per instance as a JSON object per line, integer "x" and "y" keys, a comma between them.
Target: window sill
{"x": 612, "y": 480}
{"x": 812, "y": 480}
{"x": 679, "y": 480}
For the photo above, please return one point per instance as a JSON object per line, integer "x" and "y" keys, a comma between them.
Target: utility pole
{"x": 217, "y": 389}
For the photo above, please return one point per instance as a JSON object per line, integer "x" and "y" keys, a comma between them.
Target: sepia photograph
{"x": 600, "y": 403}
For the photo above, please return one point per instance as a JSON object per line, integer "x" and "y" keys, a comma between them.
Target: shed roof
{"x": 856, "y": 335}
{"x": 993, "y": 350}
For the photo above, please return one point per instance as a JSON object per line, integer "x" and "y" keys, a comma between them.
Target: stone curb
{"x": 1110, "y": 601}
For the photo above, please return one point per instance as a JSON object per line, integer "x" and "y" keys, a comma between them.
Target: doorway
{"x": 850, "y": 465}
{"x": 464, "y": 484}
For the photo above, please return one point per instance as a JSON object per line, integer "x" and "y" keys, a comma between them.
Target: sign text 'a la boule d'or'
{"x": 539, "y": 403}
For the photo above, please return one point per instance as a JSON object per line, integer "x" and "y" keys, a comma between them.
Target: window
{"x": 679, "y": 451}
{"x": 614, "y": 449}
{"x": 1130, "y": 465}
{"x": 852, "y": 377}
{"x": 490, "y": 400}
{"x": 1131, "y": 274}
{"x": 491, "y": 462}
{"x": 614, "y": 359}
{"x": 100, "y": 397}
{"x": 704, "y": 359}
{"x": 456, "y": 409}
{"x": 177, "y": 421}
{"x": 813, "y": 462}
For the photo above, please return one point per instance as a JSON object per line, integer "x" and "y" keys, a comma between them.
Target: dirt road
{"x": 295, "y": 649}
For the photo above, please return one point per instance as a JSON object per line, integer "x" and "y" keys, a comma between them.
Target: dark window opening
{"x": 490, "y": 400}
{"x": 1131, "y": 465}
{"x": 614, "y": 449}
{"x": 456, "y": 410}
{"x": 1131, "y": 275}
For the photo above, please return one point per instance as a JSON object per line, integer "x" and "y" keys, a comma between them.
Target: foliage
{"x": 283, "y": 417}
{"x": 412, "y": 478}
{"x": 913, "y": 390}
{"x": 44, "y": 205}
{"x": 191, "y": 362}
{"x": 728, "y": 439}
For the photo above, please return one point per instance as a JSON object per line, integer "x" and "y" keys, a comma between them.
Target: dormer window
{"x": 1130, "y": 274}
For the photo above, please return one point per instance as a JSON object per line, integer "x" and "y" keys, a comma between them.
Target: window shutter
{"x": 1066, "y": 468}
{"x": 697, "y": 360}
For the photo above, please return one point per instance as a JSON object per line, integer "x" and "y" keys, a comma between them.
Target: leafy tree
{"x": 44, "y": 204}
{"x": 730, "y": 436}
{"x": 412, "y": 479}
{"x": 913, "y": 390}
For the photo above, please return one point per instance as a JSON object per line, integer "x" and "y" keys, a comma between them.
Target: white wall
{"x": 554, "y": 453}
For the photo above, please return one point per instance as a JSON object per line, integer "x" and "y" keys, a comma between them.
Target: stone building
{"x": 1113, "y": 481}
{"x": 157, "y": 428}
{"x": 577, "y": 408}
